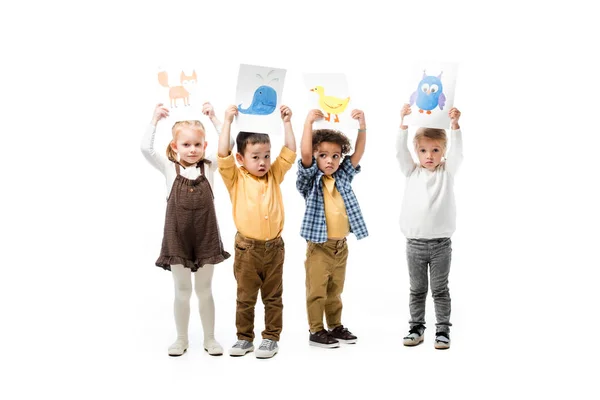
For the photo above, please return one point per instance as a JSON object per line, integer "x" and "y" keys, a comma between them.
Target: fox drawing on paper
{"x": 178, "y": 92}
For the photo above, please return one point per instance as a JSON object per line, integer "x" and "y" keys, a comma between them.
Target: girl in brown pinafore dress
{"x": 191, "y": 241}
{"x": 191, "y": 236}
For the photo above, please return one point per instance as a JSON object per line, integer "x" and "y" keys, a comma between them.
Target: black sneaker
{"x": 442, "y": 340}
{"x": 323, "y": 339}
{"x": 343, "y": 335}
{"x": 415, "y": 336}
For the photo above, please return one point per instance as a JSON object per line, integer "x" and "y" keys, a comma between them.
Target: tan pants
{"x": 258, "y": 265}
{"x": 325, "y": 274}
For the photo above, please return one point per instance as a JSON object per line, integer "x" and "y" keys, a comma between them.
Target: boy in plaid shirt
{"x": 332, "y": 212}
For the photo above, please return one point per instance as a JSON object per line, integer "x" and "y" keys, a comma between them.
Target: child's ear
{"x": 173, "y": 146}
{"x": 239, "y": 158}
{"x": 205, "y": 144}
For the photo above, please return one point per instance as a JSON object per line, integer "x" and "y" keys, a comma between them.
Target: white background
{"x": 86, "y": 315}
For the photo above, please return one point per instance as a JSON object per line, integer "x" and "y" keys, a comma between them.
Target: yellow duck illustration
{"x": 330, "y": 104}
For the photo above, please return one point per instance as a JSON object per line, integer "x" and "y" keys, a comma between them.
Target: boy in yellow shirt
{"x": 254, "y": 189}
{"x": 332, "y": 212}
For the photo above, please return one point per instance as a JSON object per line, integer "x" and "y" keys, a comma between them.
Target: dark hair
{"x": 245, "y": 138}
{"x": 331, "y": 136}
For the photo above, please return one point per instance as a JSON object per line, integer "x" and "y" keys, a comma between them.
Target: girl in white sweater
{"x": 428, "y": 220}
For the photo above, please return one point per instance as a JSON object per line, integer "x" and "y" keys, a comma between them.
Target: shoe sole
{"x": 243, "y": 354}
{"x": 325, "y": 346}
{"x": 412, "y": 344}
{"x": 213, "y": 354}
{"x": 177, "y": 355}
{"x": 262, "y": 357}
{"x": 346, "y": 341}
{"x": 442, "y": 346}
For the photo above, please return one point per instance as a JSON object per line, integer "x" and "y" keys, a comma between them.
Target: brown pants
{"x": 325, "y": 274}
{"x": 258, "y": 266}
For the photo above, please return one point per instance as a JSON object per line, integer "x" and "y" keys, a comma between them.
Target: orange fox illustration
{"x": 178, "y": 92}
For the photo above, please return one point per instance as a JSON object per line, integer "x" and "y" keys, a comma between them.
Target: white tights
{"x": 183, "y": 293}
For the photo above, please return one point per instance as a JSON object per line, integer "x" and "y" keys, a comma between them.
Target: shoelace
{"x": 266, "y": 344}
{"x": 239, "y": 344}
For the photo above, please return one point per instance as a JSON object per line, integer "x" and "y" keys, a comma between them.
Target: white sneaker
{"x": 268, "y": 348}
{"x": 178, "y": 348}
{"x": 213, "y": 347}
{"x": 442, "y": 340}
{"x": 241, "y": 348}
{"x": 415, "y": 336}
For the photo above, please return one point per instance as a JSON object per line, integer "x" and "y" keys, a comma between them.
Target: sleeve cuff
{"x": 302, "y": 170}
{"x": 226, "y": 162}
{"x": 287, "y": 155}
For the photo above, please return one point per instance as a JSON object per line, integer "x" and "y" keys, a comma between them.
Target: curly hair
{"x": 331, "y": 136}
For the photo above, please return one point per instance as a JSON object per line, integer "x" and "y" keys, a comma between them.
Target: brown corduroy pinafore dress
{"x": 191, "y": 236}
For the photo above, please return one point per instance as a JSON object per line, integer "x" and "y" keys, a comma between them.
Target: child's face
{"x": 328, "y": 156}
{"x": 190, "y": 145}
{"x": 256, "y": 158}
{"x": 430, "y": 153}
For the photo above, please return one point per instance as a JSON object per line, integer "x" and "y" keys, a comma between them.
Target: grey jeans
{"x": 435, "y": 254}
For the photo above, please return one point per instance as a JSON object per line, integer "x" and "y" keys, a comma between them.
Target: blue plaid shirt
{"x": 314, "y": 226}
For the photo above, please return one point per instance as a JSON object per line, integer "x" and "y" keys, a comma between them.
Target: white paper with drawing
{"x": 180, "y": 91}
{"x": 329, "y": 92}
{"x": 430, "y": 91}
{"x": 258, "y": 98}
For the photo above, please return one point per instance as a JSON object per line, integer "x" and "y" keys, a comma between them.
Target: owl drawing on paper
{"x": 429, "y": 94}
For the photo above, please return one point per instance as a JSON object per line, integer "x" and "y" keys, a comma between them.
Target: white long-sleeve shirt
{"x": 159, "y": 160}
{"x": 428, "y": 207}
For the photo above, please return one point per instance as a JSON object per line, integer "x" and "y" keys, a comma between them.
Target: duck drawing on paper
{"x": 331, "y": 104}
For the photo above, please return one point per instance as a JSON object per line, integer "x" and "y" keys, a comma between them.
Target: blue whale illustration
{"x": 264, "y": 102}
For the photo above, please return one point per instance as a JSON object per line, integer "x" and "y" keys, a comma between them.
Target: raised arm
{"x": 361, "y": 139}
{"x": 454, "y": 157}
{"x": 224, "y": 137}
{"x": 147, "y": 145}
{"x": 290, "y": 139}
{"x": 407, "y": 165}
{"x": 208, "y": 110}
{"x": 306, "y": 146}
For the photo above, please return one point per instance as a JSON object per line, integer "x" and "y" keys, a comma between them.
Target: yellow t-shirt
{"x": 335, "y": 210}
{"x": 257, "y": 202}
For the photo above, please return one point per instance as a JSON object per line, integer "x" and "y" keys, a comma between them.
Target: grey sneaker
{"x": 415, "y": 336}
{"x": 442, "y": 340}
{"x": 241, "y": 348}
{"x": 267, "y": 349}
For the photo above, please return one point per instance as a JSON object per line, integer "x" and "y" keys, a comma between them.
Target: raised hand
{"x": 314, "y": 115}
{"x": 406, "y": 110}
{"x": 208, "y": 110}
{"x": 286, "y": 113}
{"x": 159, "y": 113}
{"x": 360, "y": 116}
{"x": 230, "y": 112}
{"x": 454, "y": 115}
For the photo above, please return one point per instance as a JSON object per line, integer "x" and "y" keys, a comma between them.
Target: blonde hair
{"x": 433, "y": 134}
{"x": 177, "y": 127}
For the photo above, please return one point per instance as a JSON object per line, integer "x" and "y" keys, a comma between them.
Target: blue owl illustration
{"x": 429, "y": 93}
